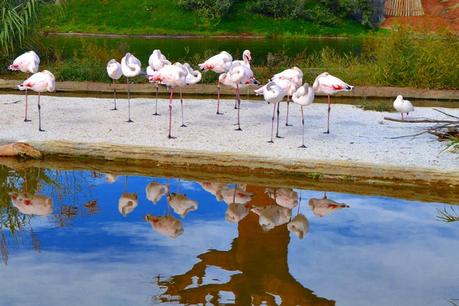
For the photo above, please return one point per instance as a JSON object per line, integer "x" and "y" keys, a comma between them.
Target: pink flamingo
{"x": 172, "y": 76}
{"x": 115, "y": 73}
{"x": 329, "y": 85}
{"x": 239, "y": 76}
{"x": 295, "y": 76}
{"x": 219, "y": 63}
{"x": 304, "y": 96}
{"x": 130, "y": 66}
{"x": 39, "y": 82}
{"x": 156, "y": 61}
{"x": 27, "y": 63}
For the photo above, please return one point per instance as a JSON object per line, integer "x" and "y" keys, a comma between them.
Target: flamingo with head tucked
{"x": 295, "y": 76}
{"x": 219, "y": 63}
{"x": 130, "y": 66}
{"x": 172, "y": 76}
{"x": 304, "y": 96}
{"x": 39, "y": 82}
{"x": 329, "y": 85}
{"x": 239, "y": 76}
{"x": 272, "y": 93}
{"x": 28, "y": 63}
{"x": 115, "y": 73}
{"x": 156, "y": 61}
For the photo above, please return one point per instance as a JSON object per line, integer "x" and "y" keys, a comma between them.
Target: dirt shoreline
{"x": 210, "y": 89}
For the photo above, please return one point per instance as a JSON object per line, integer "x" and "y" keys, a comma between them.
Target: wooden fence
{"x": 403, "y": 8}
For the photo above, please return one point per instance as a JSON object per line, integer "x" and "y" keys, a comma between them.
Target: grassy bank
{"x": 166, "y": 17}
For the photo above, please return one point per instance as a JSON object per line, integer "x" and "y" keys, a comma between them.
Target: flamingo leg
{"x": 170, "y": 114}
{"x": 288, "y": 107}
{"x": 156, "y": 105}
{"x": 129, "y": 100}
{"x": 181, "y": 107}
{"x": 302, "y": 122}
{"x": 26, "y": 106}
{"x": 278, "y": 115}
{"x": 272, "y": 123}
{"x": 114, "y": 95}
{"x": 218, "y": 98}
{"x": 39, "y": 114}
{"x": 328, "y": 118}
{"x": 238, "y": 101}
{"x": 402, "y": 116}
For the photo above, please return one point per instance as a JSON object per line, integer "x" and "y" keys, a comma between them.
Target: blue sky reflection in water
{"x": 379, "y": 251}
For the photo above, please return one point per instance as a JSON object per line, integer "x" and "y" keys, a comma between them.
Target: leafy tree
{"x": 210, "y": 11}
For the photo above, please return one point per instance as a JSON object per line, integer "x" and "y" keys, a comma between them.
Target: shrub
{"x": 275, "y": 8}
{"x": 210, "y": 11}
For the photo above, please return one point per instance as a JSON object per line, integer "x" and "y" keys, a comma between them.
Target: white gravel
{"x": 356, "y": 135}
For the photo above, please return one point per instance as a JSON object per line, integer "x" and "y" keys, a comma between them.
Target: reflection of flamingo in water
{"x": 323, "y": 207}
{"x": 260, "y": 266}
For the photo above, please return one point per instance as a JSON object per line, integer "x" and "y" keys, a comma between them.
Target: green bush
{"x": 210, "y": 11}
{"x": 275, "y": 8}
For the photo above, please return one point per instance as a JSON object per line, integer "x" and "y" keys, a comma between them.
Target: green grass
{"x": 165, "y": 17}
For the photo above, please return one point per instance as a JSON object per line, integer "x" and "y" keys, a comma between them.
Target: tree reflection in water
{"x": 259, "y": 260}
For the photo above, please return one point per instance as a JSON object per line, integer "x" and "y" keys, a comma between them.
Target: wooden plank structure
{"x": 403, "y": 8}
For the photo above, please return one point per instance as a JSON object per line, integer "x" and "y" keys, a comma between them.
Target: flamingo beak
{"x": 13, "y": 67}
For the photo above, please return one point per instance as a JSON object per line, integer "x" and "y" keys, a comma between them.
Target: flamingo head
{"x": 13, "y": 67}
{"x": 253, "y": 81}
{"x": 155, "y": 78}
{"x": 399, "y": 97}
{"x": 247, "y": 56}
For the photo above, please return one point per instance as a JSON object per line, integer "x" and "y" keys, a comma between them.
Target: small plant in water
{"x": 447, "y": 215}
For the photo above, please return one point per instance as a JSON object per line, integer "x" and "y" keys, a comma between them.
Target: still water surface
{"x": 82, "y": 238}
{"x": 187, "y": 49}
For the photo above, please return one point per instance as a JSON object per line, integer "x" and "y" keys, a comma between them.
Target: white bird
{"x": 273, "y": 93}
{"x": 115, "y": 73}
{"x": 304, "y": 96}
{"x": 130, "y": 66}
{"x": 238, "y": 76}
{"x": 156, "y": 61}
{"x": 403, "y": 106}
{"x": 219, "y": 63}
{"x": 295, "y": 76}
{"x": 236, "y": 212}
{"x": 246, "y": 59}
{"x": 285, "y": 197}
{"x": 327, "y": 84}
{"x": 28, "y": 63}
{"x": 172, "y": 76}
{"x": 39, "y": 82}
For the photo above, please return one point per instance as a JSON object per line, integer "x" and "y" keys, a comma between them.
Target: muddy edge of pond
{"x": 408, "y": 183}
{"x": 210, "y": 89}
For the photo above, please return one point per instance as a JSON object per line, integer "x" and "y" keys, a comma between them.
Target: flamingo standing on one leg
{"x": 295, "y": 76}
{"x": 130, "y": 66}
{"x": 403, "y": 106}
{"x": 219, "y": 63}
{"x": 246, "y": 59}
{"x": 273, "y": 93}
{"x": 239, "y": 76}
{"x": 172, "y": 76}
{"x": 303, "y": 96}
{"x": 39, "y": 82}
{"x": 115, "y": 73}
{"x": 156, "y": 61}
{"x": 28, "y": 63}
{"x": 329, "y": 85}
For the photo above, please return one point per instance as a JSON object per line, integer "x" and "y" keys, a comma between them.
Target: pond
{"x": 185, "y": 49}
{"x": 88, "y": 238}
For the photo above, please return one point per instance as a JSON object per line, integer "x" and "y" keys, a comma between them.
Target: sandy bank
{"x": 359, "y": 147}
